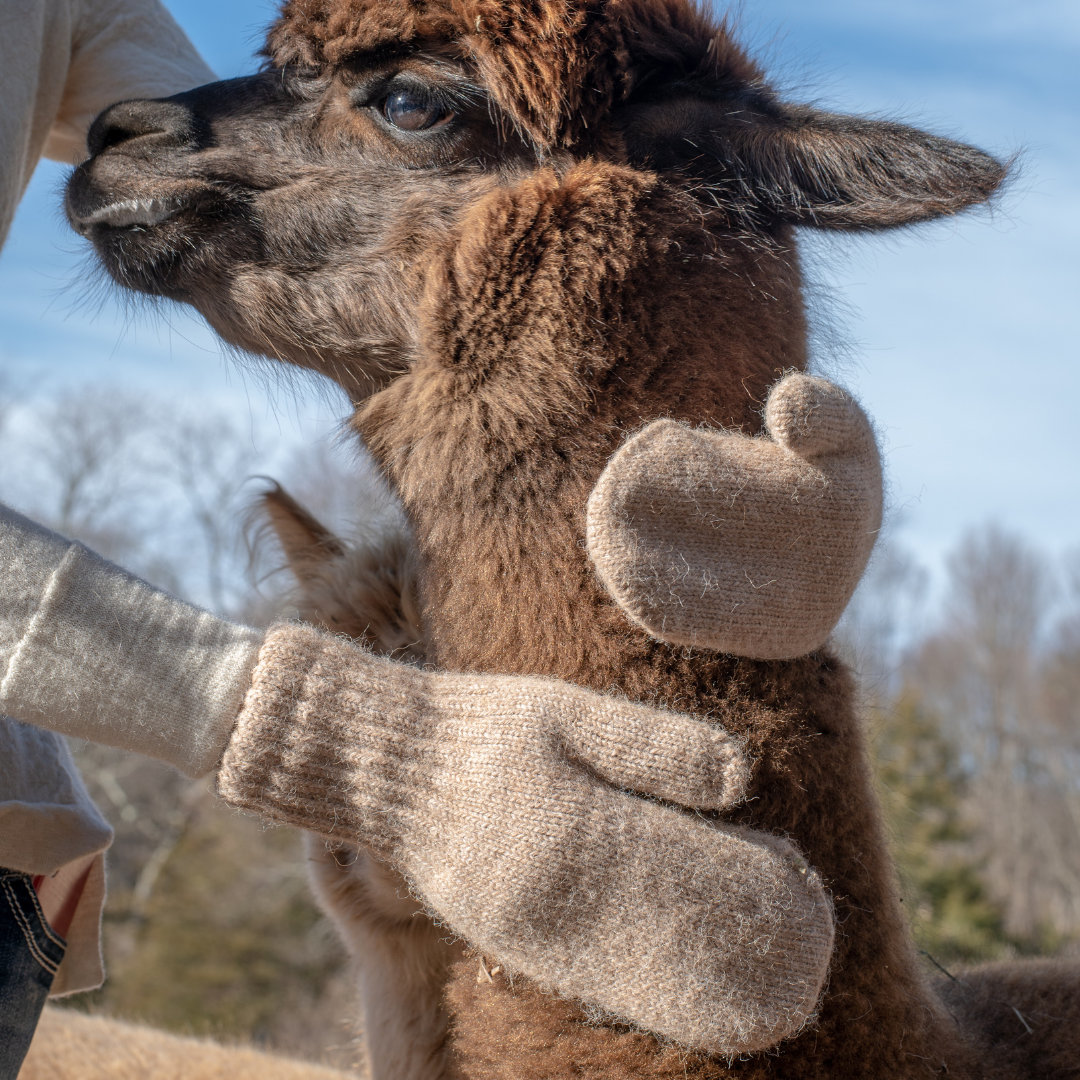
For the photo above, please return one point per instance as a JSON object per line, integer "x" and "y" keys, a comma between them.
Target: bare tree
{"x": 984, "y": 673}
{"x": 884, "y": 615}
{"x": 87, "y": 455}
{"x": 1061, "y": 670}
{"x": 86, "y": 443}
{"x": 210, "y": 457}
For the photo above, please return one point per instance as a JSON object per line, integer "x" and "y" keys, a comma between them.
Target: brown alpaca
{"x": 514, "y": 233}
{"x": 366, "y": 589}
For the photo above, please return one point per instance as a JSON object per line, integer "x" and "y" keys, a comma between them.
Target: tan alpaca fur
{"x": 366, "y": 589}
{"x": 591, "y": 229}
{"x": 69, "y": 1045}
{"x": 401, "y": 959}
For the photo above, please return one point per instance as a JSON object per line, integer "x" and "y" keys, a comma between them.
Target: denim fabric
{"x": 30, "y": 953}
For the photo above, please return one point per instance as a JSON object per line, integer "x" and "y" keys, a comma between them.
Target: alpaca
{"x": 513, "y": 233}
{"x": 366, "y": 590}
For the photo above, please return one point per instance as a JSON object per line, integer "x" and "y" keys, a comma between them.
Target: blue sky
{"x": 961, "y": 339}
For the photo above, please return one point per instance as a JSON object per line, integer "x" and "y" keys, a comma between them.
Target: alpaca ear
{"x": 307, "y": 543}
{"x": 794, "y": 164}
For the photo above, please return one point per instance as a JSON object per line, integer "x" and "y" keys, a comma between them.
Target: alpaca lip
{"x": 127, "y": 212}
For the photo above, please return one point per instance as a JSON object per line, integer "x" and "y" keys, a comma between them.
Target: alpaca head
{"x": 306, "y": 210}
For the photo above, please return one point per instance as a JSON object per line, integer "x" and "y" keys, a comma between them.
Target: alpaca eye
{"x": 410, "y": 111}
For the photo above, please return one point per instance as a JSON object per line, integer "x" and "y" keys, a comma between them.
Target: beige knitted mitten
{"x": 497, "y": 798}
{"x": 751, "y": 546}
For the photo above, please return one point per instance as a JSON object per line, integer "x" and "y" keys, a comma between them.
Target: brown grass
{"x": 71, "y": 1046}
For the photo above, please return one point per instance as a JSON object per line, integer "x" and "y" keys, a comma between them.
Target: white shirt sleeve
{"x": 121, "y": 49}
{"x": 63, "y": 61}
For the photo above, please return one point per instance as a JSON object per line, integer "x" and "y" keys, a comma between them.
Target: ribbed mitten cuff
{"x": 330, "y": 738}
{"x": 489, "y": 794}
{"x": 334, "y": 738}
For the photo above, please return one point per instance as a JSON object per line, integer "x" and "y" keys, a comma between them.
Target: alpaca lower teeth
{"x": 132, "y": 212}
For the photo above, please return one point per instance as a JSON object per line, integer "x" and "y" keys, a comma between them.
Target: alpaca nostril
{"x": 113, "y": 135}
{"x": 160, "y": 124}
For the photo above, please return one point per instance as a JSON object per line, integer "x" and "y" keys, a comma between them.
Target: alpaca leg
{"x": 402, "y": 960}
{"x": 402, "y": 982}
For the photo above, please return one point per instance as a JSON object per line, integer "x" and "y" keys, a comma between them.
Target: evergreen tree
{"x": 923, "y": 787}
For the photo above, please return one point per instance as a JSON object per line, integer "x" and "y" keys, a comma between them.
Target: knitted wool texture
{"x": 95, "y": 652}
{"x": 487, "y": 791}
{"x": 713, "y": 935}
{"x": 747, "y": 546}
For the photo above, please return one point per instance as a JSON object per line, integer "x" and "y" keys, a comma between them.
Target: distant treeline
{"x": 973, "y": 709}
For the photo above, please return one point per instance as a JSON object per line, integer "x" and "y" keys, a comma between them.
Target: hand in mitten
{"x": 498, "y": 797}
{"x": 499, "y": 801}
{"x": 751, "y": 546}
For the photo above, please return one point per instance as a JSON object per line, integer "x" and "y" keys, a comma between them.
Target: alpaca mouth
{"x": 127, "y": 213}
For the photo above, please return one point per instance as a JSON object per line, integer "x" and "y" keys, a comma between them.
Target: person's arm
{"x": 92, "y": 651}
{"x": 121, "y": 49}
{"x": 474, "y": 786}
{"x": 63, "y": 61}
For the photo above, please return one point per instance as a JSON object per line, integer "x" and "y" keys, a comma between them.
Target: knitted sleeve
{"x": 89, "y": 650}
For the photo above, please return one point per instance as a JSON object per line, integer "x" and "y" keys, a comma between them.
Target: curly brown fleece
{"x": 555, "y": 68}
{"x": 598, "y": 237}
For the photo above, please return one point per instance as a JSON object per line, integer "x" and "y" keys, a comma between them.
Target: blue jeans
{"x": 30, "y": 953}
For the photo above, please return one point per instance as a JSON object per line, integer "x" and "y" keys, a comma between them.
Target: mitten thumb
{"x": 669, "y": 755}
{"x": 815, "y": 418}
